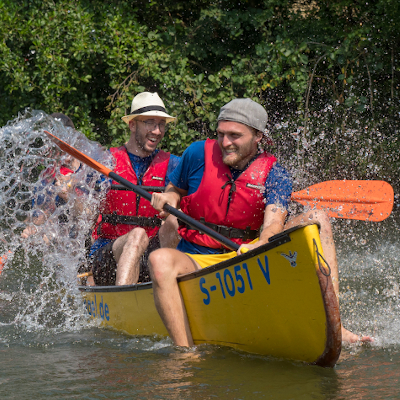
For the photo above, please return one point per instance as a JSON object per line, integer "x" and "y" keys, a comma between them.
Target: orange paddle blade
{"x": 77, "y": 154}
{"x": 362, "y": 200}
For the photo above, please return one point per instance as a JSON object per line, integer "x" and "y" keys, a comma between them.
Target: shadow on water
{"x": 370, "y": 373}
{"x": 96, "y": 364}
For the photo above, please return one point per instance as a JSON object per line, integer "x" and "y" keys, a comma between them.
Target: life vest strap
{"x": 115, "y": 219}
{"x": 159, "y": 189}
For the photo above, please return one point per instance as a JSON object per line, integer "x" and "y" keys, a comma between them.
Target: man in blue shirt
{"x": 189, "y": 174}
{"x": 128, "y": 227}
{"x": 236, "y": 158}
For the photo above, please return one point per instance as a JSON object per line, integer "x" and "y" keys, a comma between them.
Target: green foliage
{"x": 88, "y": 59}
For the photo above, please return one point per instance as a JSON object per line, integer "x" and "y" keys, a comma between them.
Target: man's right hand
{"x": 171, "y": 196}
{"x": 158, "y": 201}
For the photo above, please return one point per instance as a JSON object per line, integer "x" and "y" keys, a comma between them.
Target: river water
{"x": 50, "y": 349}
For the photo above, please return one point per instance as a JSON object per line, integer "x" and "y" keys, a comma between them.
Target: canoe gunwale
{"x": 122, "y": 288}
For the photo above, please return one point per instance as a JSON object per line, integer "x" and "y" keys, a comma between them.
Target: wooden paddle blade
{"x": 78, "y": 155}
{"x": 362, "y": 200}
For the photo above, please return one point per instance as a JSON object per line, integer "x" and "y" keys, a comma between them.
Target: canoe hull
{"x": 276, "y": 300}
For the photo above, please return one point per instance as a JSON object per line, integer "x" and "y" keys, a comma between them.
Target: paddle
{"x": 362, "y": 200}
{"x": 141, "y": 192}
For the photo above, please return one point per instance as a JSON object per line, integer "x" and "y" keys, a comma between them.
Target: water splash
{"x": 38, "y": 280}
{"x": 335, "y": 143}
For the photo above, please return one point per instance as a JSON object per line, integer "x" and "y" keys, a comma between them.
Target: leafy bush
{"x": 322, "y": 70}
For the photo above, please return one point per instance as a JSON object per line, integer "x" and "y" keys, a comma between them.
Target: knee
{"x": 168, "y": 233}
{"x": 322, "y": 218}
{"x": 315, "y": 216}
{"x": 160, "y": 265}
{"x": 158, "y": 260}
{"x": 170, "y": 224}
{"x": 136, "y": 237}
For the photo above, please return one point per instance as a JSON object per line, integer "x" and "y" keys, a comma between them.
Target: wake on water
{"x": 38, "y": 285}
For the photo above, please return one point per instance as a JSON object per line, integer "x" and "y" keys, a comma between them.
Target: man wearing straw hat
{"x": 128, "y": 228}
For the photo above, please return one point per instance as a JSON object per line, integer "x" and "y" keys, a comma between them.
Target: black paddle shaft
{"x": 179, "y": 214}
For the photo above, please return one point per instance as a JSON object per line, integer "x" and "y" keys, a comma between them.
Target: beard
{"x": 142, "y": 142}
{"x": 239, "y": 156}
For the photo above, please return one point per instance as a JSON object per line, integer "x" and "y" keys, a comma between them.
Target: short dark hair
{"x": 67, "y": 121}
{"x": 253, "y": 130}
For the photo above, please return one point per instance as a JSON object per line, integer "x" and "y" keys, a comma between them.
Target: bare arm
{"x": 274, "y": 221}
{"x": 171, "y": 196}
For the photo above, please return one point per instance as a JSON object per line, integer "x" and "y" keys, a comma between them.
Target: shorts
{"x": 104, "y": 265}
{"x": 206, "y": 260}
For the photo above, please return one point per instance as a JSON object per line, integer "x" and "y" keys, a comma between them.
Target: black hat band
{"x": 148, "y": 108}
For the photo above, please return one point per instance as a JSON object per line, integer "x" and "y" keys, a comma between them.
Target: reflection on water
{"x": 372, "y": 374}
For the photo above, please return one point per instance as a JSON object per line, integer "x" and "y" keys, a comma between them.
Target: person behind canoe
{"x": 232, "y": 186}
{"x": 60, "y": 181}
{"x": 128, "y": 227}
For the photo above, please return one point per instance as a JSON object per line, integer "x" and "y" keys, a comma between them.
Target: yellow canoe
{"x": 276, "y": 300}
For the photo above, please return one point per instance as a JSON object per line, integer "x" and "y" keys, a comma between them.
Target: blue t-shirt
{"x": 189, "y": 173}
{"x": 140, "y": 166}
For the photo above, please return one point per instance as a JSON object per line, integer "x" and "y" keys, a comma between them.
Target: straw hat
{"x": 147, "y": 103}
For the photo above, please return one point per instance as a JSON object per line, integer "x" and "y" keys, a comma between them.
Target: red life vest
{"x": 221, "y": 201}
{"x": 122, "y": 211}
